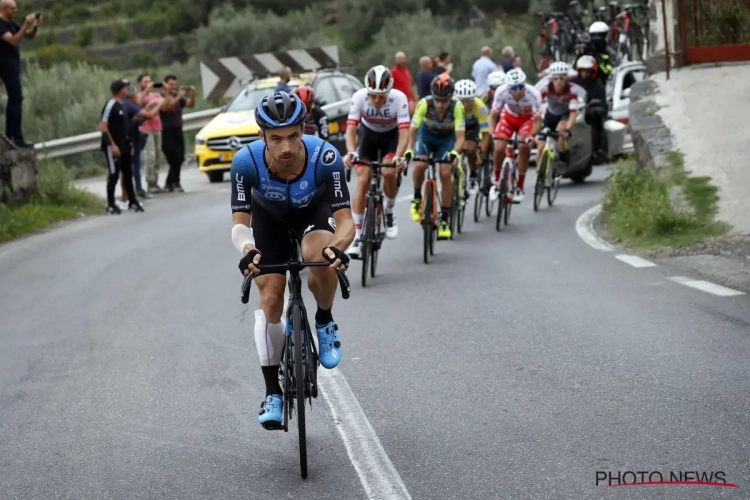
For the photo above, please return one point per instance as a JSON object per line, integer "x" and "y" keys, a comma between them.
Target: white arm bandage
{"x": 241, "y": 236}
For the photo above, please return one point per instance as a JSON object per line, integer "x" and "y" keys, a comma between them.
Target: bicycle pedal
{"x": 273, "y": 426}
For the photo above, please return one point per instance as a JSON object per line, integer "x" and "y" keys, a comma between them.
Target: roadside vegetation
{"x": 660, "y": 208}
{"x": 56, "y": 200}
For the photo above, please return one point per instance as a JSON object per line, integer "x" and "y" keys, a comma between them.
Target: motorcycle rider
{"x": 596, "y": 99}
{"x": 597, "y": 47}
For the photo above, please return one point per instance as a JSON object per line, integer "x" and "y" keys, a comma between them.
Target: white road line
{"x": 585, "y": 229}
{"x": 376, "y": 472}
{"x": 634, "y": 260}
{"x": 706, "y": 286}
{"x": 379, "y": 477}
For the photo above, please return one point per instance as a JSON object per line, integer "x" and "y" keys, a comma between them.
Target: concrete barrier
{"x": 651, "y": 137}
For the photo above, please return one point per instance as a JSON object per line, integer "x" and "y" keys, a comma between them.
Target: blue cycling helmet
{"x": 280, "y": 109}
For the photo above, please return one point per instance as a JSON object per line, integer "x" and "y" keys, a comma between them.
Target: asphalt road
{"x": 515, "y": 365}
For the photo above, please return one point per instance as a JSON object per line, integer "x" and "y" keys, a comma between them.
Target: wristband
{"x": 241, "y": 236}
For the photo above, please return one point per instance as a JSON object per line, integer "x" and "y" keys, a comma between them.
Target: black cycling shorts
{"x": 551, "y": 121}
{"x": 472, "y": 133}
{"x": 375, "y": 146}
{"x": 272, "y": 235}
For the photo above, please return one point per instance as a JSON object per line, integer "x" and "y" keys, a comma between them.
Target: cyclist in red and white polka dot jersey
{"x": 518, "y": 106}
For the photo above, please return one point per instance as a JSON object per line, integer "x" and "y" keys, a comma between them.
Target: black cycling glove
{"x": 247, "y": 259}
{"x": 338, "y": 255}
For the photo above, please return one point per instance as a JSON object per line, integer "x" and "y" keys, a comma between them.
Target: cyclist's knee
{"x": 446, "y": 172}
{"x": 388, "y": 173}
{"x": 272, "y": 298}
{"x": 313, "y": 245}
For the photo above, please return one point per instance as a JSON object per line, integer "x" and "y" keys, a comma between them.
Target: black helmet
{"x": 442, "y": 85}
{"x": 280, "y": 109}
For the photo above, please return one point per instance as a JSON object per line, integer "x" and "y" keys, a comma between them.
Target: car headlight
{"x": 200, "y": 140}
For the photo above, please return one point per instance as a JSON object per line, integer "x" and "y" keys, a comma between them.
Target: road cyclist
{"x": 316, "y": 122}
{"x": 437, "y": 127}
{"x": 288, "y": 181}
{"x": 377, "y": 128}
{"x": 517, "y": 104}
{"x": 477, "y": 132}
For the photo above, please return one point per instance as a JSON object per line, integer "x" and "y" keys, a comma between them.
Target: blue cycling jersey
{"x": 321, "y": 180}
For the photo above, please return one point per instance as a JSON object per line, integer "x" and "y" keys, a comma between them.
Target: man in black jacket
{"x": 596, "y": 99}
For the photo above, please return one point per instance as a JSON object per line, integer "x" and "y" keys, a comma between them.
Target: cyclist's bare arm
{"x": 485, "y": 143}
{"x": 460, "y": 139}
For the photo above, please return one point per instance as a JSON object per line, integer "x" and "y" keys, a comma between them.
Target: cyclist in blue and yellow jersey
{"x": 477, "y": 127}
{"x": 436, "y": 127}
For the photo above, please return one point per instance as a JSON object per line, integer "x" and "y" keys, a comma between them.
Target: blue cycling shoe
{"x": 271, "y": 412}
{"x": 330, "y": 346}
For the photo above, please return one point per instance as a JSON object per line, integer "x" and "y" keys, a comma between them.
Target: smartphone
{"x": 37, "y": 16}
{"x": 158, "y": 85}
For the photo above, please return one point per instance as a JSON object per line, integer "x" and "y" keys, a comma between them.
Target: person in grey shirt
{"x": 482, "y": 68}
{"x": 173, "y": 141}
{"x": 286, "y": 76}
{"x": 509, "y": 55}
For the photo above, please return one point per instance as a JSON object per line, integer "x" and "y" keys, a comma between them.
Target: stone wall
{"x": 17, "y": 174}
{"x": 656, "y": 37}
{"x": 651, "y": 137}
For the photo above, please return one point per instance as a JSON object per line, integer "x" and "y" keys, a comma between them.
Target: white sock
{"x": 389, "y": 204}
{"x": 358, "y": 225}
{"x": 269, "y": 340}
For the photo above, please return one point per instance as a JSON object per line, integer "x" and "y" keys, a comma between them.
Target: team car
{"x": 235, "y": 127}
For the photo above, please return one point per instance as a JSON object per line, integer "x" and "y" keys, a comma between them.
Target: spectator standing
{"x": 173, "y": 140}
{"x": 136, "y": 116}
{"x": 424, "y": 76}
{"x": 286, "y": 75}
{"x": 444, "y": 63}
{"x": 150, "y": 134}
{"x": 402, "y": 79}
{"x": 11, "y": 35}
{"x": 482, "y": 68}
{"x": 517, "y": 62}
{"x": 117, "y": 147}
{"x": 506, "y": 63}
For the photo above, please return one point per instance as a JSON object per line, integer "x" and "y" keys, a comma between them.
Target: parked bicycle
{"x": 298, "y": 370}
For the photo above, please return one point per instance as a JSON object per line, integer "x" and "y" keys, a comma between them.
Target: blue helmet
{"x": 280, "y": 109}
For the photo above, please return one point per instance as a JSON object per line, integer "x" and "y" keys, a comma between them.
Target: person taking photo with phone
{"x": 150, "y": 132}
{"x": 11, "y": 35}
{"x": 173, "y": 141}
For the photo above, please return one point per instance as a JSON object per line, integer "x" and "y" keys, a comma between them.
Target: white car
{"x": 618, "y": 96}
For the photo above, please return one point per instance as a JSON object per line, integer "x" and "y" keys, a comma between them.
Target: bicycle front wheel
{"x": 299, "y": 375}
{"x": 427, "y": 224}
{"x": 376, "y": 237}
{"x": 555, "y": 185}
{"x": 541, "y": 180}
{"x": 369, "y": 223}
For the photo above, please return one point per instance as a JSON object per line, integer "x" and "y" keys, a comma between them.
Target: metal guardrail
{"x": 91, "y": 142}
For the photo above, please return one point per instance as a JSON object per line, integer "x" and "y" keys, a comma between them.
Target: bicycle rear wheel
{"x": 489, "y": 206}
{"x": 427, "y": 224}
{"x": 541, "y": 179}
{"x": 478, "y": 200}
{"x": 462, "y": 203}
{"x": 453, "y": 219}
{"x": 509, "y": 200}
{"x": 299, "y": 375}
{"x": 502, "y": 205}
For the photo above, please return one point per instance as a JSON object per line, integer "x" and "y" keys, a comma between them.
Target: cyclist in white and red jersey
{"x": 562, "y": 107}
{"x": 518, "y": 105}
{"x": 383, "y": 136}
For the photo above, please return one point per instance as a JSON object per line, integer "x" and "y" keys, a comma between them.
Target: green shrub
{"x": 84, "y": 36}
{"x": 56, "y": 54}
{"x": 45, "y": 38}
{"x": 143, "y": 58}
{"x": 122, "y": 33}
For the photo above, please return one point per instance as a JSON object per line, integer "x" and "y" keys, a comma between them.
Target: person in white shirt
{"x": 482, "y": 68}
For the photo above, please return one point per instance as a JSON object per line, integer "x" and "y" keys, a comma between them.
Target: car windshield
{"x": 248, "y": 99}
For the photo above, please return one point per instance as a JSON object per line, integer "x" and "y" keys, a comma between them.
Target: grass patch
{"x": 660, "y": 208}
{"x": 653, "y": 110}
{"x": 56, "y": 200}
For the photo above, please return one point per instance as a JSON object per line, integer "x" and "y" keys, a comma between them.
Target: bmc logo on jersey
{"x": 240, "y": 188}
{"x": 337, "y": 184}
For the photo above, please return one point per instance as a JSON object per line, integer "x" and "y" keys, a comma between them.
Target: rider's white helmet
{"x": 379, "y": 80}
{"x": 465, "y": 89}
{"x": 598, "y": 28}
{"x": 495, "y": 79}
{"x": 586, "y": 62}
{"x": 516, "y": 76}
{"x": 559, "y": 68}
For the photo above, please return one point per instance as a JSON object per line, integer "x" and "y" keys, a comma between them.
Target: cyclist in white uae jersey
{"x": 383, "y": 136}
{"x": 518, "y": 105}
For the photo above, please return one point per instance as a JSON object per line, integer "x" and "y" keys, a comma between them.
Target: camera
{"x": 37, "y": 16}
{"x": 158, "y": 85}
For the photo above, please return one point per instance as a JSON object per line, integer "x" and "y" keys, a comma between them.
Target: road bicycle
{"x": 458, "y": 201}
{"x": 429, "y": 215}
{"x": 298, "y": 371}
{"x": 547, "y": 173}
{"x": 373, "y": 224}
{"x": 505, "y": 182}
{"x": 482, "y": 196}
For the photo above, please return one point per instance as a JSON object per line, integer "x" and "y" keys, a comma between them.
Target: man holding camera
{"x": 11, "y": 35}
{"x": 173, "y": 141}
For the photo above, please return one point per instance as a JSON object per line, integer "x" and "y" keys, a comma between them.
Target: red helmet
{"x": 306, "y": 94}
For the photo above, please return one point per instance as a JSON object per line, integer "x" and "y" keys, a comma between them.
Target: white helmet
{"x": 496, "y": 78}
{"x": 516, "y": 76}
{"x": 598, "y": 28}
{"x": 586, "y": 62}
{"x": 465, "y": 89}
{"x": 559, "y": 68}
{"x": 379, "y": 80}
